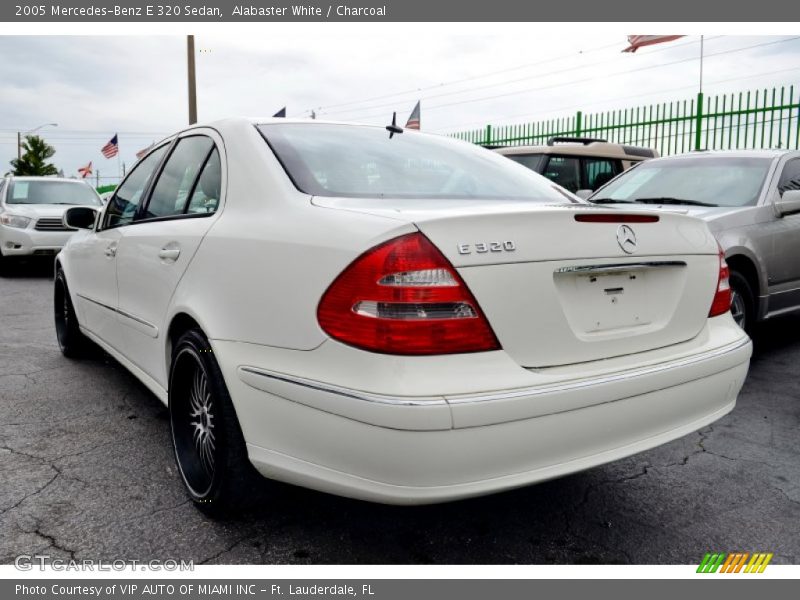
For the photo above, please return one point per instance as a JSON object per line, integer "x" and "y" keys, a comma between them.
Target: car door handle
{"x": 169, "y": 253}
{"x": 111, "y": 250}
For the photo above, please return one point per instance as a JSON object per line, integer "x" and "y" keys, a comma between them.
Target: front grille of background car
{"x": 50, "y": 224}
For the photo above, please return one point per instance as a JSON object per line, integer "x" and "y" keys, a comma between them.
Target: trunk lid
{"x": 557, "y": 290}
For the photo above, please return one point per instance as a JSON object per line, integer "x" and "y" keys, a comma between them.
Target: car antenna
{"x": 393, "y": 128}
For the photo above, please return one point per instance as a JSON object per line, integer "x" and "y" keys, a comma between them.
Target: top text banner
{"x": 398, "y": 11}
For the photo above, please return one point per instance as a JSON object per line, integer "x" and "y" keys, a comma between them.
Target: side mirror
{"x": 79, "y": 217}
{"x": 584, "y": 194}
{"x": 789, "y": 203}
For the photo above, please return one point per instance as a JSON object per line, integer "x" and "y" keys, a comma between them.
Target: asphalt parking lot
{"x": 86, "y": 472}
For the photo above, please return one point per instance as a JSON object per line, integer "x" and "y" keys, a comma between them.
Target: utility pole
{"x": 19, "y": 146}
{"x": 702, "y": 37}
{"x": 192, "y": 80}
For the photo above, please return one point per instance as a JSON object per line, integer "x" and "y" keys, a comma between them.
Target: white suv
{"x": 31, "y": 211}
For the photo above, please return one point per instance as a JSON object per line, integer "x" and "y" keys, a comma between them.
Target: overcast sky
{"x": 94, "y": 87}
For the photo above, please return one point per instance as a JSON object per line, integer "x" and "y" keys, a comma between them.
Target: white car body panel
{"x": 378, "y": 456}
{"x": 93, "y": 279}
{"x": 556, "y": 398}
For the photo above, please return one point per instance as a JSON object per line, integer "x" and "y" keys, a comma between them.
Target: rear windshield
{"x": 364, "y": 162}
{"x": 51, "y": 192}
{"x": 721, "y": 180}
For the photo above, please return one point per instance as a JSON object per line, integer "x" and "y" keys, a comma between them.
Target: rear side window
{"x": 532, "y": 161}
{"x": 125, "y": 202}
{"x": 599, "y": 171}
{"x": 565, "y": 171}
{"x": 790, "y": 178}
{"x": 205, "y": 198}
{"x": 175, "y": 184}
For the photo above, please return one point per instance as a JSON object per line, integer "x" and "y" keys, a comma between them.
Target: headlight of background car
{"x": 17, "y": 221}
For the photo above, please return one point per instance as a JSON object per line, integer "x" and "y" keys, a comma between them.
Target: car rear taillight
{"x": 404, "y": 297}
{"x": 722, "y": 298}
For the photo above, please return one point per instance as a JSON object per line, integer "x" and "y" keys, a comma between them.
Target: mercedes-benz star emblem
{"x": 626, "y": 239}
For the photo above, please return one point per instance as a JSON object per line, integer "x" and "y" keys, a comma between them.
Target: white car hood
{"x": 37, "y": 211}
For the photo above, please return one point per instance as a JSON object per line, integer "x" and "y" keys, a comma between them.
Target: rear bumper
{"x": 27, "y": 242}
{"x": 429, "y": 448}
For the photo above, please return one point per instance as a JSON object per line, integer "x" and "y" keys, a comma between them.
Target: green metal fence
{"x": 753, "y": 119}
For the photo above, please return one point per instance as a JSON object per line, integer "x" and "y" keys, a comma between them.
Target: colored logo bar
{"x": 734, "y": 562}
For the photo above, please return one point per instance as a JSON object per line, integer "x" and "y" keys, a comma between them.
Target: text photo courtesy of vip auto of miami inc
{"x": 398, "y": 295}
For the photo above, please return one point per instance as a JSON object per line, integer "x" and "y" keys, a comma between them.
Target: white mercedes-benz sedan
{"x": 393, "y": 316}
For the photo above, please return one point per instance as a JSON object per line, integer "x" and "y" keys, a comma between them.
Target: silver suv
{"x": 751, "y": 201}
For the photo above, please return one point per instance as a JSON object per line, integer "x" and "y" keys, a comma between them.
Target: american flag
{"x": 84, "y": 172}
{"x": 637, "y": 41}
{"x": 144, "y": 151}
{"x": 111, "y": 149}
{"x": 413, "y": 118}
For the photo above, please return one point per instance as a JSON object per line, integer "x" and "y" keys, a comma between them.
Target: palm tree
{"x": 33, "y": 160}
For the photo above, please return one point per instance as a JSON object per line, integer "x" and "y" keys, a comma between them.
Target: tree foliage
{"x": 35, "y": 154}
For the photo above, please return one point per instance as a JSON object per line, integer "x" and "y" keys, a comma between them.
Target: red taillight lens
{"x": 404, "y": 297}
{"x": 722, "y": 299}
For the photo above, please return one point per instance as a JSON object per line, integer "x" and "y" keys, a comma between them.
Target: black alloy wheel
{"x": 209, "y": 446}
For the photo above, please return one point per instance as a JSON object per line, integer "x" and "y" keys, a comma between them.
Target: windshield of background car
{"x": 364, "y": 162}
{"x": 51, "y": 192}
{"x": 721, "y": 181}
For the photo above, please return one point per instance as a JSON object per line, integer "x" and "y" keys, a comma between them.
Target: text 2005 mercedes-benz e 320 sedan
{"x": 394, "y": 316}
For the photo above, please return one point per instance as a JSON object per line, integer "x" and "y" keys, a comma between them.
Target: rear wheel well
{"x": 743, "y": 265}
{"x": 181, "y": 323}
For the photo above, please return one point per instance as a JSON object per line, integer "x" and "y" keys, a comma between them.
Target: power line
{"x": 103, "y": 132}
{"x": 752, "y": 129}
{"x": 616, "y": 99}
{"x": 495, "y": 73}
{"x": 462, "y": 80}
{"x": 80, "y": 139}
{"x": 592, "y": 78}
{"x": 511, "y": 81}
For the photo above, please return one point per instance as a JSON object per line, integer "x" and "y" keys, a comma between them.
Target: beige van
{"x": 578, "y": 163}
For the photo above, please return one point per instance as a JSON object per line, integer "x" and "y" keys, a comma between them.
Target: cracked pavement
{"x": 86, "y": 472}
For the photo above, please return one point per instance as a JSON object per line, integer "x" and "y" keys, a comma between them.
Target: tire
{"x": 743, "y": 306}
{"x": 72, "y": 342}
{"x": 4, "y": 264}
{"x": 209, "y": 447}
